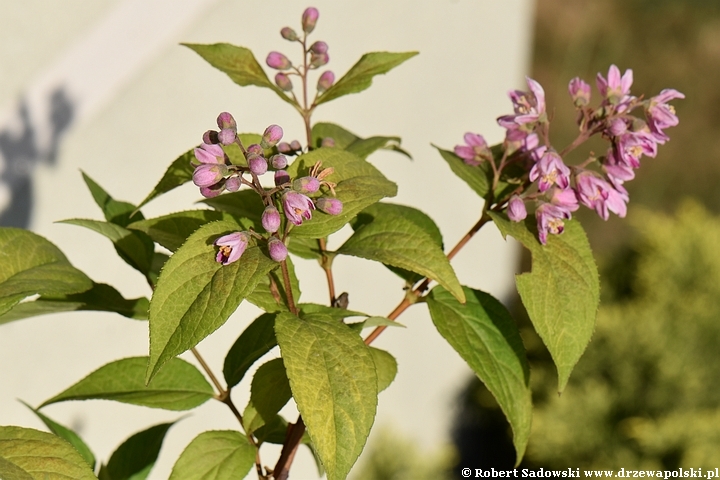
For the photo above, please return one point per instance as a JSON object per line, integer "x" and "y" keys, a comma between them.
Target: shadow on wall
{"x": 22, "y": 152}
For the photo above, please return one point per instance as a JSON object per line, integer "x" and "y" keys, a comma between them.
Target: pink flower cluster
{"x": 559, "y": 188}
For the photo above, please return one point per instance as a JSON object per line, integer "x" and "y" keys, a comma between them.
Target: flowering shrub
{"x": 243, "y": 250}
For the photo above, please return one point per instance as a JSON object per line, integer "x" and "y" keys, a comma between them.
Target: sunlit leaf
{"x": 215, "y": 455}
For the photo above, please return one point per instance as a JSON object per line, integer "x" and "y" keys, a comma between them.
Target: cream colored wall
{"x": 472, "y": 52}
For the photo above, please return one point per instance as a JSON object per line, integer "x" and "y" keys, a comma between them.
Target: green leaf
{"x": 172, "y": 230}
{"x": 67, "y": 435}
{"x": 252, "y": 420}
{"x": 135, "y": 248}
{"x": 304, "y": 247}
{"x": 100, "y": 297}
{"x": 238, "y": 63}
{"x": 562, "y": 291}
{"x": 31, "y": 265}
{"x": 195, "y": 295}
{"x": 179, "y": 386}
{"x": 134, "y": 459}
{"x": 372, "y": 322}
{"x": 334, "y": 382}
{"x": 255, "y": 341}
{"x": 273, "y": 431}
{"x": 386, "y": 367}
{"x": 270, "y": 389}
{"x": 478, "y": 177}
{"x": 215, "y": 455}
{"x": 242, "y": 204}
{"x": 333, "y": 312}
{"x": 402, "y": 237}
{"x": 486, "y": 337}
{"x": 115, "y": 211}
{"x": 359, "y": 185}
{"x": 362, "y": 147}
{"x": 359, "y": 77}
{"x": 26, "y": 453}
{"x": 178, "y": 173}
{"x": 263, "y": 297}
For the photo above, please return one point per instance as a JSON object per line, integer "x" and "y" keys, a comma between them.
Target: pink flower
{"x": 516, "y": 210}
{"x": 475, "y": 151}
{"x": 309, "y": 19}
{"x": 550, "y": 220}
{"x": 550, "y": 170}
{"x": 579, "y": 92}
{"x": 270, "y": 219}
{"x": 278, "y": 61}
{"x": 660, "y": 115}
{"x": 271, "y": 136}
{"x": 329, "y": 205}
{"x": 615, "y": 89}
{"x": 529, "y": 106}
{"x": 325, "y": 81}
{"x": 564, "y": 198}
{"x": 599, "y": 195}
{"x": 209, "y": 174}
{"x": 297, "y": 207}
{"x": 231, "y": 246}
{"x": 209, "y": 153}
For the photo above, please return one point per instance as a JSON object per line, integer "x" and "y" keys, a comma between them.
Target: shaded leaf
{"x": 178, "y": 173}
{"x": 263, "y": 297}
{"x": 242, "y": 204}
{"x": 486, "y": 337}
{"x": 385, "y": 366}
{"x": 136, "y": 456}
{"x": 255, "y": 341}
{"x": 270, "y": 389}
{"x": 401, "y": 236}
{"x": 478, "y": 177}
{"x": 562, "y": 291}
{"x": 115, "y": 211}
{"x": 333, "y": 312}
{"x": 359, "y": 77}
{"x": 304, "y": 247}
{"x": 373, "y": 322}
{"x": 215, "y": 455}
{"x": 195, "y": 295}
{"x": 334, "y": 382}
{"x": 28, "y": 453}
{"x": 273, "y": 431}
{"x": 31, "y": 265}
{"x": 362, "y": 147}
{"x": 179, "y": 386}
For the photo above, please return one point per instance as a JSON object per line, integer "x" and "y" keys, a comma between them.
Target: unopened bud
{"x": 232, "y": 184}
{"x": 270, "y": 219}
{"x": 318, "y": 59}
{"x": 279, "y": 161}
{"x": 277, "y": 249}
{"x": 319, "y": 47}
{"x": 258, "y": 165}
{"x": 278, "y": 61}
{"x": 210, "y": 137}
{"x": 579, "y": 92}
{"x": 288, "y": 34}
{"x": 516, "y": 209}
{"x": 325, "y": 81}
{"x": 309, "y": 19}
{"x": 306, "y": 185}
{"x": 271, "y": 136}
{"x": 329, "y": 205}
{"x": 283, "y": 81}
{"x": 295, "y": 146}
{"x": 227, "y": 136}
{"x": 208, "y": 174}
{"x": 284, "y": 147}
{"x": 213, "y": 190}
{"x": 327, "y": 142}
{"x": 226, "y": 120}
{"x": 254, "y": 149}
{"x": 281, "y": 177}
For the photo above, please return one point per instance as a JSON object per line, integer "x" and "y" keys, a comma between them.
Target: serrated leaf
{"x": 478, "y": 177}
{"x": 179, "y": 386}
{"x": 486, "y": 337}
{"x": 242, "y": 204}
{"x": 173, "y": 229}
{"x": 263, "y": 296}
{"x": 334, "y": 382}
{"x": 115, "y": 211}
{"x": 100, "y": 297}
{"x": 359, "y": 77}
{"x": 178, "y": 173}
{"x": 31, "y": 265}
{"x": 28, "y": 453}
{"x": 255, "y": 341}
{"x": 385, "y": 366}
{"x": 333, "y": 312}
{"x": 136, "y": 456}
{"x": 66, "y": 434}
{"x": 135, "y": 248}
{"x": 359, "y": 185}
{"x": 238, "y": 63}
{"x": 362, "y": 147}
{"x": 215, "y": 455}
{"x": 562, "y": 291}
{"x": 270, "y": 389}
{"x": 399, "y": 236}
{"x": 195, "y": 295}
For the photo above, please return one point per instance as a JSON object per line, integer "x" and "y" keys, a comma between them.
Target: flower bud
{"x": 258, "y": 165}
{"x": 295, "y": 146}
{"x": 327, "y": 142}
{"x": 516, "y": 209}
{"x": 270, "y": 219}
{"x": 213, "y": 190}
{"x": 306, "y": 185}
{"x": 208, "y": 174}
{"x": 318, "y": 59}
{"x": 281, "y": 177}
{"x": 309, "y": 19}
{"x": 277, "y": 249}
{"x": 226, "y": 120}
{"x": 254, "y": 149}
{"x": 319, "y": 47}
{"x": 272, "y": 136}
{"x": 283, "y": 81}
{"x": 325, "y": 81}
{"x": 278, "y": 61}
{"x": 284, "y": 147}
{"x": 329, "y": 205}
{"x": 209, "y": 153}
{"x": 210, "y": 137}
{"x": 227, "y": 136}
{"x": 232, "y": 184}
{"x": 279, "y": 161}
{"x": 288, "y": 34}
{"x": 579, "y": 92}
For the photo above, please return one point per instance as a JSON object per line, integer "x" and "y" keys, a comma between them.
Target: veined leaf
{"x": 255, "y": 341}
{"x": 263, "y": 296}
{"x": 178, "y": 173}
{"x": 486, "y": 337}
{"x": 215, "y": 455}
{"x": 26, "y": 453}
{"x": 270, "y": 389}
{"x": 179, "y": 386}
{"x": 399, "y": 236}
{"x": 334, "y": 382}
{"x": 386, "y": 367}
{"x": 31, "y": 265}
{"x": 115, "y": 211}
{"x": 333, "y": 312}
{"x": 359, "y": 77}
{"x": 134, "y": 459}
{"x": 478, "y": 177}
{"x": 359, "y": 185}
{"x": 562, "y": 291}
{"x": 362, "y": 147}
{"x": 195, "y": 295}
{"x": 244, "y": 204}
